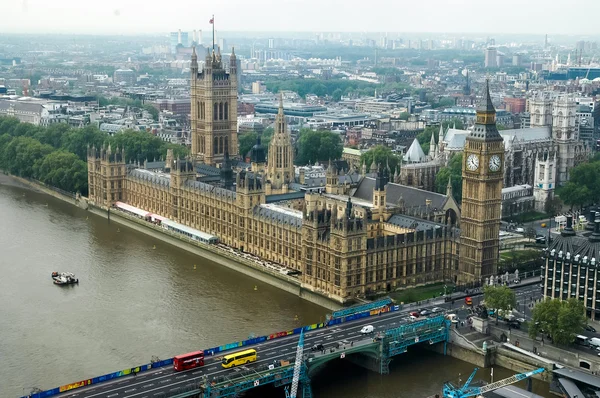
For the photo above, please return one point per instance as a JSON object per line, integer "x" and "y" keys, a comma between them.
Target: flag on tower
{"x": 212, "y": 20}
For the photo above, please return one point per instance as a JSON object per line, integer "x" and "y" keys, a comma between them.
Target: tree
{"x": 583, "y": 187}
{"x": 63, "y": 170}
{"x": 404, "y": 116}
{"x": 530, "y": 233}
{"x": 313, "y": 146}
{"x": 246, "y": 142}
{"x": 151, "y": 110}
{"x": 562, "y": 320}
{"x": 381, "y": 155}
{"x": 499, "y": 298}
{"x": 453, "y": 172}
{"x": 337, "y": 94}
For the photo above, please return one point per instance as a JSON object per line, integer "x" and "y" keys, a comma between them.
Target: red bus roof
{"x": 189, "y": 354}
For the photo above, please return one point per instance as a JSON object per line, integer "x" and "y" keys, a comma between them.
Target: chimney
{"x": 179, "y": 37}
{"x": 595, "y": 236}
{"x": 568, "y": 231}
{"x": 590, "y": 221}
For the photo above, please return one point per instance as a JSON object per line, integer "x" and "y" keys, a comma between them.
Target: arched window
{"x": 226, "y": 142}
{"x": 199, "y": 107}
{"x": 220, "y": 111}
{"x": 216, "y": 145}
{"x": 215, "y": 111}
{"x": 226, "y": 111}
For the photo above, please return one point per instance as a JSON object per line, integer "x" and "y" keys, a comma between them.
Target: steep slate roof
{"x": 415, "y": 153}
{"x": 208, "y": 170}
{"x": 408, "y": 222}
{"x": 155, "y": 165}
{"x": 279, "y": 215}
{"x": 154, "y": 178}
{"x": 455, "y": 138}
{"x": 411, "y": 196}
{"x": 201, "y": 186}
{"x": 285, "y": 196}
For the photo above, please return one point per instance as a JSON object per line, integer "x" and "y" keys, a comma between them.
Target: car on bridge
{"x": 317, "y": 347}
{"x": 367, "y": 329}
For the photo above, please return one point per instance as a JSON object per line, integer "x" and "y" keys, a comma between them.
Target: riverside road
{"x": 165, "y": 380}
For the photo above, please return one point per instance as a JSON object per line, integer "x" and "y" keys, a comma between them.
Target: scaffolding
{"x": 396, "y": 341}
{"x": 362, "y": 308}
{"x": 247, "y": 379}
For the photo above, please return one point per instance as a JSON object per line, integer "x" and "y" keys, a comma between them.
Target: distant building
{"x": 515, "y": 105}
{"x": 491, "y": 57}
{"x": 126, "y": 76}
{"x": 25, "y": 111}
{"x": 258, "y": 87}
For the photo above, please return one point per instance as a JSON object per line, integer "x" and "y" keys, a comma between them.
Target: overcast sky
{"x": 578, "y": 17}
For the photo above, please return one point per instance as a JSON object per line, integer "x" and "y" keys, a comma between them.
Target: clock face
{"x": 473, "y": 162}
{"x": 495, "y": 163}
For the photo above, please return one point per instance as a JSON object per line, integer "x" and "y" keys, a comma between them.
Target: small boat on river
{"x": 64, "y": 278}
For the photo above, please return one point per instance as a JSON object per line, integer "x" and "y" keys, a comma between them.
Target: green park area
{"x": 420, "y": 293}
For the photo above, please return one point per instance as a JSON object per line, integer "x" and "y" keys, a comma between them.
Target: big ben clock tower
{"x": 482, "y": 179}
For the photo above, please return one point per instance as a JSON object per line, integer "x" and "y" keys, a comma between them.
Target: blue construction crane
{"x": 465, "y": 391}
{"x": 297, "y": 368}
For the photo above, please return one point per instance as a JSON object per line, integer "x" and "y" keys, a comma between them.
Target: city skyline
{"x": 442, "y": 16}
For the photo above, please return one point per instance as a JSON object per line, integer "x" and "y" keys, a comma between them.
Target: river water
{"x": 135, "y": 301}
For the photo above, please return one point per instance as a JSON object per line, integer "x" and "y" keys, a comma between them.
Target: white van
{"x": 367, "y": 329}
{"x": 595, "y": 342}
{"x": 452, "y": 318}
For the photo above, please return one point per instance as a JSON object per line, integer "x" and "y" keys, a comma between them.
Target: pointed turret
{"x": 486, "y": 104}
{"x": 449, "y": 187}
{"x": 432, "y": 147}
{"x": 194, "y": 65}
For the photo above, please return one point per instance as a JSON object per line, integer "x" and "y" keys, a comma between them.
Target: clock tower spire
{"x": 482, "y": 179}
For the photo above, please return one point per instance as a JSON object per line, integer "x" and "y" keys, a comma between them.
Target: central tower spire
{"x": 280, "y": 166}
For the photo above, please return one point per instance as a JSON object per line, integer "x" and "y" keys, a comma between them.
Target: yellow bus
{"x": 239, "y": 358}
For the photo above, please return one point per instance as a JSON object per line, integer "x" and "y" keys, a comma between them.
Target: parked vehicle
{"x": 595, "y": 342}
{"x": 452, "y": 318}
{"x": 425, "y": 312}
{"x": 415, "y": 314}
{"x": 590, "y": 328}
{"x": 582, "y": 340}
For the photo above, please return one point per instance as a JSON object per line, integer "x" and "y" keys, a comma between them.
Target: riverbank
{"x": 246, "y": 267}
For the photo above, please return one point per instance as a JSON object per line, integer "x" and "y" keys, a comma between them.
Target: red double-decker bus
{"x": 188, "y": 361}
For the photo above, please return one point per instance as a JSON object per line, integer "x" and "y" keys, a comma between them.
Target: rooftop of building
{"x": 414, "y": 223}
{"x": 395, "y": 193}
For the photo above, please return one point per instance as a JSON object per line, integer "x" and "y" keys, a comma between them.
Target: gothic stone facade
{"x": 344, "y": 247}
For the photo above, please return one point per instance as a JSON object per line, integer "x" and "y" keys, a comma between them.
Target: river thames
{"x": 134, "y": 302}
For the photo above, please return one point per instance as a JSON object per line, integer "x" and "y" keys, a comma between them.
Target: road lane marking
{"x": 133, "y": 389}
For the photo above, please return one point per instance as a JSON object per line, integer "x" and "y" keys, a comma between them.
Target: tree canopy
{"x": 320, "y": 87}
{"x": 583, "y": 187}
{"x": 453, "y": 172}
{"x": 382, "y": 155}
{"x": 499, "y": 298}
{"x": 562, "y": 320}
{"x": 313, "y": 146}
{"x": 57, "y": 155}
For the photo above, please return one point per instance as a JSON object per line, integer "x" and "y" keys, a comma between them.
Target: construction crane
{"x": 590, "y": 67}
{"x": 465, "y": 391}
{"x": 297, "y": 368}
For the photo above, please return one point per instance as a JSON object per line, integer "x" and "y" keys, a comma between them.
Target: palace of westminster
{"x": 363, "y": 234}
